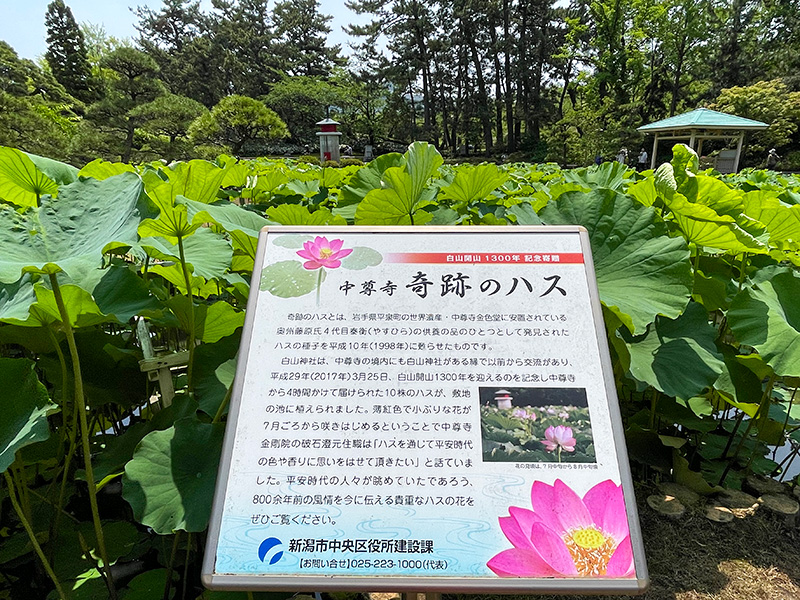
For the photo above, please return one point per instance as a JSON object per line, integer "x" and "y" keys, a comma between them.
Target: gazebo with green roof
{"x": 704, "y": 124}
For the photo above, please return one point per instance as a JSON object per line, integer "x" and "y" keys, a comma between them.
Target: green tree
{"x": 66, "y": 52}
{"x": 301, "y": 102}
{"x": 36, "y": 113}
{"x": 770, "y": 102}
{"x": 166, "y": 121}
{"x": 235, "y": 121}
{"x": 178, "y": 38}
{"x": 135, "y": 83}
{"x": 301, "y": 33}
{"x": 243, "y": 34}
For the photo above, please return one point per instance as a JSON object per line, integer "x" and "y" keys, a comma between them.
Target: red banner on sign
{"x": 491, "y": 258}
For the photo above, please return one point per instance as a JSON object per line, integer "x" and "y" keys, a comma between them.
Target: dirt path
{"x": 750, "y": 558}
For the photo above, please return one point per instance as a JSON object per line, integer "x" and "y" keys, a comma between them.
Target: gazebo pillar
{"x": 655, "y": 151}
{"x": 738, "y": 152}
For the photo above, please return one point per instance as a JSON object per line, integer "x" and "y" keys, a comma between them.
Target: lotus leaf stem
{"x": 188, "y": 281}
{"x": 34, "y": 542}
{"x": 170, "y": 568}
{"x": 80, "y": 402}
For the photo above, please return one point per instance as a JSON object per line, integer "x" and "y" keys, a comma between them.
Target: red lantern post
{"x": 328, "y": 140}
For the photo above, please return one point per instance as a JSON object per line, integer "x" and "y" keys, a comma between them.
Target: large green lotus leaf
{"x": 387, "y": 206}
{"x": 214, "y": 366}
{"x": 170, "y": 481}
{"x": 474, "y": 183}
{"x": 24, "y": 406}
{"x": 394, "y": 204}
{"x": 148, "y": 585}
{"x": 685, "y": 164}
{"x": 70, "y": 232}
{"x": 368, "y": 178}
{"x": 266, "y": 185}
{"x": 295, "y": 214}
{"x": 34, "y": 338}
{"x": 422, "y": 162}
{"x": 111, "y": 373}
{"x": 782, "y": 221}
{"x": 711, "y": 291}
{"x": 331, "y": 178}
{"x": 641, "y": 271}
{"x": 235, "y": 174}
{"x": 644, "y": 191}
{"x": 307, "y": 188}
{"x": 616, "y": 342}
{"x": 228, "y": 216}
{"x": 288, "y": 279}
{"x": 444, "y": 216}
{"x": 21, "y": 183}
{"x": 524, "y": 214}
{"x": 610, "y": 175}
{"x": 211, "y": 322}
{"x": 217, "y": 321}
{"x": 703, "y": 226}
{"x": 174, "y": 274}
{"x": 15, "y": 300}
{"x": 61, "y": 173}
{"x": 119, "y": 449}
{"x": 716, "y": 194}
{"x": 124, "y": 294}
{"x": 767, "y": 317}
{"x": 738, "y": 385}
{"x": 664, "y": 181}
{"x": 554, "y": 191}
{"x": 241, "y": 224}
{"x": 100, "y": 169}
{"x": 172, "y": 221}
{"x": 198, "y": 180}
{"x": 81, "y": 307}
{"x": 678, "y": 356}
{"x": 208, "y": 254}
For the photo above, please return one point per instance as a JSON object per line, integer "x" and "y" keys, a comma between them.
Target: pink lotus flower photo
{"x": 559, "y": 438}
{"x": 566, "y": 535}
{"x": 323, "y": 253}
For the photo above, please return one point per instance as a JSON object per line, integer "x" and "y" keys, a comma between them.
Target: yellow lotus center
{"x": 325, "y": 252}
{"x": 591, "y": 550}
{"x": 588, "y": 538}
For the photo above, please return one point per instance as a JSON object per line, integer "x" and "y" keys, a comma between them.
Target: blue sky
{"x": 22, "y": 21}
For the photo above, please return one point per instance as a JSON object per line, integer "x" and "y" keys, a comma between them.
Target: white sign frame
{"x": 219, "y": 579}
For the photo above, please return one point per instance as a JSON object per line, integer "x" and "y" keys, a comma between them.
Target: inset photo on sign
{"x": 533, "y": 424}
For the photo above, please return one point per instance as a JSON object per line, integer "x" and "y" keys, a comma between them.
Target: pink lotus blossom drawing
{"x": 559, "y": 438}
{"x": 566, "y": 535}
{"x": 323, "y": 253}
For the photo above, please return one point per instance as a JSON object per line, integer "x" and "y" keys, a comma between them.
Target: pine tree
{"x": 66, "y": 52}
{"x": 302, "y": 32}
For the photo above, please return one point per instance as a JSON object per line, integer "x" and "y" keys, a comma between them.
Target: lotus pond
{"x": 106, "y": 494}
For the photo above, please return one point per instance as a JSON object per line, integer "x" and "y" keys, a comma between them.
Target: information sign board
{"x": 424, "y": 408}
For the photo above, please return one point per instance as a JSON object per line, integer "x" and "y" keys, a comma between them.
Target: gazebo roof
{"x": 703, "y": 118}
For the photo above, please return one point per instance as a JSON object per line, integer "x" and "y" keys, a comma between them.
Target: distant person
{"x": 598, "y": 160}
{"x": 641, "y": 163}
{"x": 772, "y": 159}
{"x": 622, "y": 155}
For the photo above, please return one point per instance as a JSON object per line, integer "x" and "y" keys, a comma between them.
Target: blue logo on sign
{"x": 269, "y": 548}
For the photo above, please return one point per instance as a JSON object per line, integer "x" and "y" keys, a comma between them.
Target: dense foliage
{"x": 107, "y": 477}
{"x": 559, "y": 81}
